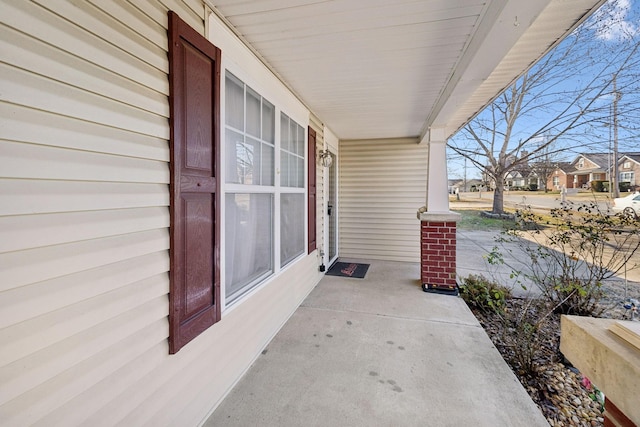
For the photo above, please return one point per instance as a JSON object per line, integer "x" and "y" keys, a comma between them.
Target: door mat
{"x": 348, "y": 269}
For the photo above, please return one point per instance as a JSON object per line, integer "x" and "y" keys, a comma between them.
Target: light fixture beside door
{"x": 325, "y": 158}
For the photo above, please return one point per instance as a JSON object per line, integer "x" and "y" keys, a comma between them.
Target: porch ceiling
{"x": 384, "y": 69}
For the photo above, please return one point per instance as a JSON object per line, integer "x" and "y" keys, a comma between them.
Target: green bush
{"x": 597, "y": 186}
{"x": 533, "y": 187}
{"x": 624, "y": 187}
{"x": 483, "y": 294}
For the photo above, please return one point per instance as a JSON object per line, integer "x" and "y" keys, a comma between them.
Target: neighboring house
{"x": 469, "y": 185}
{"x": 166, "y": 199}
{"x": 590, "y": 167}
{"x": 587, "y": 168}
{"x": 561, "y": 177}
{"x": 523, "y": 176}
{"x": 515, "y": 179}
{"x": 629, "y": 171}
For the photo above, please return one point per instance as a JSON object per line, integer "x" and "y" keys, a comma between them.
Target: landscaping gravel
{"x": 564, "y": 396}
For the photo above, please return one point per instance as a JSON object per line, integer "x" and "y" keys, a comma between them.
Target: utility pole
{"x": 465, "y": 175}
{"x": 614, "y": 179}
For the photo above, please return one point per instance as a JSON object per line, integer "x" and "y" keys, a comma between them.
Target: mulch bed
{"x": 556, "y": 387}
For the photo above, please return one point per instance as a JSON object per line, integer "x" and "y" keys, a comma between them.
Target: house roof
{"x": 632, "y": 156}
{"x": 601, "y": 160}
{"x": 566, "y": 167}
{"x": 381, "y": 69}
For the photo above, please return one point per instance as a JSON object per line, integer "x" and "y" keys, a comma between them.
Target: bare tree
{"x": 564, "y": 100}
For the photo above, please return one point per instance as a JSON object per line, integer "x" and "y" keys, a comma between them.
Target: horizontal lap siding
{"x": 382, "y": 186}
{"x": 84, "y": 215}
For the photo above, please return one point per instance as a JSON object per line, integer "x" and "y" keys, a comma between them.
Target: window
{"x": 292, "y": 200}
{"x": 249, "y": 241}
{"x": 249, "y": 198}
{"x": 626, "y": 177}
{"x": 626, "y": 165}
{"x": 264, "y": 189}
{"x": 291, "y": 153}
{"x": 556, "y": 181}
{"x": 249, "y": 134}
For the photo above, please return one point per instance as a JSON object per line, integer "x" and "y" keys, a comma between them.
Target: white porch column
{"x": 437, "y": 199}
{"x": 437, "y": 223}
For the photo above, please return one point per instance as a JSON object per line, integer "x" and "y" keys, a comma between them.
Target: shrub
{"x": 523, "y": 334}
{"x": 533, "y": 187}
{"x": 483, "y": 294}
{"x": 573, "y": 253}
{"x": 624, "y": 186}
{"x": 597, "y": 186}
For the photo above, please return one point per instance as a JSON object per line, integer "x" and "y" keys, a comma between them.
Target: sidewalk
{"x": 484, "y": 241}
{"x": 379, "y": 352}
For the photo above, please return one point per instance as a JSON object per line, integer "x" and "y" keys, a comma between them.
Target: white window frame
{"x": 630, "y": 174}
{"x": 288, "y": 189}
{"x": 276, "y": 190}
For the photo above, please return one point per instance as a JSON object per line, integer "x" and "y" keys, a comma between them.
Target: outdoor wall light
{"x": 325, "y": 158}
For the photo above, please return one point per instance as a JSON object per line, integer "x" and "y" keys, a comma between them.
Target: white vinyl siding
{"x": 83, "y": 206}
{"x": 382, "y": 185}
{"x": 84, "y": 226}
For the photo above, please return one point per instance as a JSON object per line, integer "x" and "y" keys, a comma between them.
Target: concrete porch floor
{"x": 379, "y": 351}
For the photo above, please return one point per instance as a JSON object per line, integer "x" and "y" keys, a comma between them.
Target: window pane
{"x": 300, "y": 176}
{"x": 293, "y": 136}
{"x": 252, "y": 157}
{"x": 284, "y": 169}
{"x": 292, "y": 222}
{"x": 284, "y": 132}
{"x": 253, "y": 113}
{"x": 234, "y": 102}
{"x": 267, "y": 164}
{"x": 300, "y": 149}
{"x": 249, "y": 241}
{"x": 268, "y": 122}
{"x": 232, "y": 163}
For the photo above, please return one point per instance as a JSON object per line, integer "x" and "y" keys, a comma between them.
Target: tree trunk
{"x": 498, "y": 197}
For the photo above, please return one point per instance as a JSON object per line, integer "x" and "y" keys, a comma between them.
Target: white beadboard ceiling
{"x": 395, "y": 68}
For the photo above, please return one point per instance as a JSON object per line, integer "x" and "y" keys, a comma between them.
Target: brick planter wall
{"x": 438, "y": 254}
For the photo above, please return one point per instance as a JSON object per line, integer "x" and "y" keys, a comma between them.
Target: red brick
{"x": 430, "y": 229}
{"x": 438, "y": 253}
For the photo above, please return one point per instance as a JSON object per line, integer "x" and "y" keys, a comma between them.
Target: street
{"x": 521, "y": 199}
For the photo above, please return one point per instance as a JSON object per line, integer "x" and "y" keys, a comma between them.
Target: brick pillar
{"x": 437, "y": 222}
{"x": 438, "y": 251}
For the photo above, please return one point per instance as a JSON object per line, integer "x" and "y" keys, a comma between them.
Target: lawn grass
{"x": 472, "y": 220}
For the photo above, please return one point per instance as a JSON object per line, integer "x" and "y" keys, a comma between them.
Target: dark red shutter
{"x": 311, "y": 200}
{"x": 194, "y": 76}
